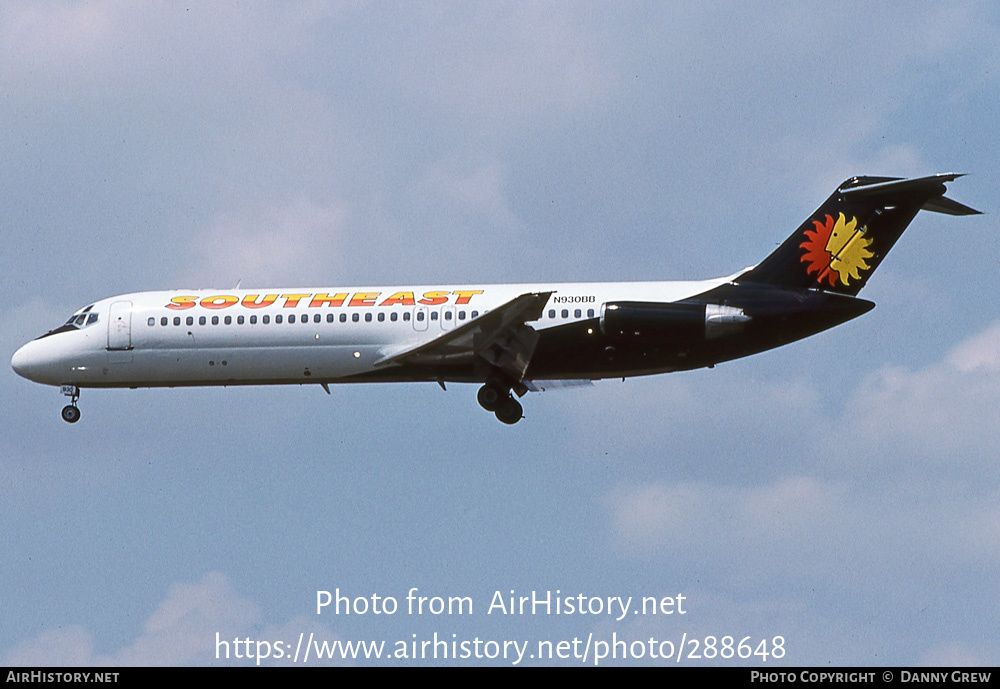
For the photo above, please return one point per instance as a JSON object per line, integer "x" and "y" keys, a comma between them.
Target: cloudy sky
{"x": 842, "y": 492}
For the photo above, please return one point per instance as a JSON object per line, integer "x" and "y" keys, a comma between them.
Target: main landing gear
{"x": 71, "y": 413}
{"x": 498, "y": 399}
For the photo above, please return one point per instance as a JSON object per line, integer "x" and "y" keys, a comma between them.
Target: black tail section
{"x": 844, "y": 241}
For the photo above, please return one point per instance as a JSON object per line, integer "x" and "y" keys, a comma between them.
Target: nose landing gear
{"x": 71, "y": 413}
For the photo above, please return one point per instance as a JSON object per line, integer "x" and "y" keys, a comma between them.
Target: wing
{"x": 500, "y": 336}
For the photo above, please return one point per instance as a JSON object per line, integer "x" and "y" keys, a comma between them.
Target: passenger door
{"x": 120, "y": 332}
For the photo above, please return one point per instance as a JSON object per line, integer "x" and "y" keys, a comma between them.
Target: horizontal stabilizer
{"x": 942, "y": 204}
{"x": 858, "y": 188}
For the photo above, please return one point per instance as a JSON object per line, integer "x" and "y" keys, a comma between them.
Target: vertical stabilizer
{"x": 844, "y": 241}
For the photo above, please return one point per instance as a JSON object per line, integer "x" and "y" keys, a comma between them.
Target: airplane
{"x": 508, "y": 338}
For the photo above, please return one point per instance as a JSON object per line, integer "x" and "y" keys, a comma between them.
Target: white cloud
{"x": 502, "y": 63}
{"x": 145, "y": 45}
{"x": 942, "y": 414}
{"x": 288, "y": 244}
{"x": 184, "y": 626}
{"x": 955, "y": 655}
{"x": 310, "y": 631}
{"x": 904, "y": 473}
{"x": 980, "y": 353}
{"x": 701, "y": 516}
{"x": 181, "y": 631}
{"x": 43, "y": 34}
{"x": 891, "y": 417}
{"x": 459, "y": 208}
{"x": 70, "y": 646}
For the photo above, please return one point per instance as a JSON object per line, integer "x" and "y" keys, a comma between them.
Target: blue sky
{"x": 841, "y": 492}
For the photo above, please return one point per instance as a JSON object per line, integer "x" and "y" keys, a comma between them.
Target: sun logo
{"x": 836, "y": 249}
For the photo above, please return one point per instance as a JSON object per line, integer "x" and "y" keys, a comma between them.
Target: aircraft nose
{"x": 22, "y": 361}
{"x": 35, "y": 362}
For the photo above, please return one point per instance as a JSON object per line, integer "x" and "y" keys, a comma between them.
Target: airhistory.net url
{"x": 584, "y": 650}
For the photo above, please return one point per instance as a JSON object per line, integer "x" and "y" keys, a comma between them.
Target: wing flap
{"x": 548, "y": 385}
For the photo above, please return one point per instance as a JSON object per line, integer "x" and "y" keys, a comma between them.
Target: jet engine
{"x": 676, "y": 322}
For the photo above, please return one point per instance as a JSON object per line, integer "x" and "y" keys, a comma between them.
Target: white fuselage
{"x": 297, "y": 335}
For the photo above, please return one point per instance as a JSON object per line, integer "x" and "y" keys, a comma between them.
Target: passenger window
{"x": 343, "y": 318}
{"x": 202, "y": 320}
{"x": 552, "y": 313}
{"x": 215, "y": 320}
{"x": 355, "y": 317}
{"x": 177, "y": 320}
{"x": 447, "y": 315}
{"x": 368, "y": 317}
{"x": 265, "y": 320}
{"x": 406, "y": 316}
{"x": 291, "y": 318}
{"x": 434, "y": 315}
{"x": 420, "y": 315}
{"x": 317, "y": 318}
{"x": 239, "y": 320}
{"x": 253, "y": 319}
{"x": 151, "y": 321}
{"x": 278, "y": 319}
{"x": 590, "y": 313}
{"x": 164, "y": 320}
{"x": 329, "y": 318}
{"x": 190, "y": 320}
{"x": 394, "y": 316}
{"x": 228, "y": 320}
{"x": 381, "y": 316}
{"x": 577, "y": 313}
{"x": 565, "y": 313}
{"x": 461, "y": 315}
{"x": 475, "y": 314}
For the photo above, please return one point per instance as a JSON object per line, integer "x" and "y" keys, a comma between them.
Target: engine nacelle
{"x": 673, "y": 322}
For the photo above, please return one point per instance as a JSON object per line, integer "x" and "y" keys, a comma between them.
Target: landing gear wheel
{"x": 509, "y": 411}
{"x": 70, "y": 413}
{"x": 489, "y": 397}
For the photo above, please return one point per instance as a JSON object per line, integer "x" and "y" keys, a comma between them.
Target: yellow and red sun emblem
{"x": 836, "y": 249}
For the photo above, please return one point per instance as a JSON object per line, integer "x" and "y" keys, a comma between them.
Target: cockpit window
{"x": 80, "y": 319}
{"x": 83, "y": 317}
